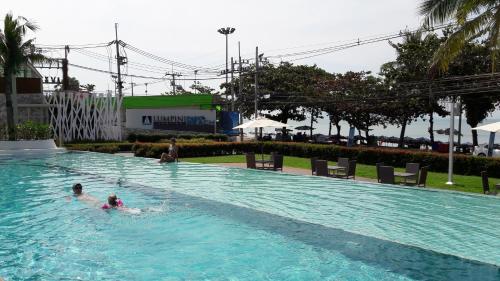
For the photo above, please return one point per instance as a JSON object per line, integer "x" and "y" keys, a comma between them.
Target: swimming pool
{"x": 204, "y": 222}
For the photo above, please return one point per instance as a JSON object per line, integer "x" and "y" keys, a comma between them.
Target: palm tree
{"x": 15, "y": 52}
{"x": 473, "y": 18}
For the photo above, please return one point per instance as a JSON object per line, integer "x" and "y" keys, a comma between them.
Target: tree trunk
{"x": 402, "y": 135}
{"x": 330, "y": 127}
{"x": 338, "y": 130}
{"x": 9, "y": 105}
{"x": 312, "y": 122}
{"x": 367, "y": 137}
{"x": 474, "y": 137}
{"x": 431, "y": 127}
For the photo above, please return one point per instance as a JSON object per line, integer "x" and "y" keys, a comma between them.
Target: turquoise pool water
{"x": 203, "y": 222}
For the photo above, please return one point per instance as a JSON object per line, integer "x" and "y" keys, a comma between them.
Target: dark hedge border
{"x": 159, "y": 137}
{"x": 463, "y": 165}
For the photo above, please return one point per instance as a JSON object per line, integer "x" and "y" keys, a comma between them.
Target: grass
{"x": 435, "y": 180}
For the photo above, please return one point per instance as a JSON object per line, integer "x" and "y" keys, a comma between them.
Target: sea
{"x": 416, "y": 129}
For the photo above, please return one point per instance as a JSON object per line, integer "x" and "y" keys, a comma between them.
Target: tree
{"x": 284, "y": 91}
{"x": 474, "y": 18}
{"x": 15, "y": 52}
{"x": 354, "y": 97}
{"x": 473, "y": 59}
{"x": 414, "y": 57}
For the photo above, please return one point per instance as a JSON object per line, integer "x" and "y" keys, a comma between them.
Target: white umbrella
{"x": 493, "y": 127}
{"x": 261, "y": 123}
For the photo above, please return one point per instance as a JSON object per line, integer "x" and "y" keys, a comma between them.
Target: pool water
{"x": 204, "y": 222}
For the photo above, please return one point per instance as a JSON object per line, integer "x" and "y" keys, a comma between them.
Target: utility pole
{"x": 65, "y": 83}
{"x": 119, "y": 62}
{"x": 256, "y": 86}
{"x": 132, "y": 84}
{"x": 451, "y": 142}
{"x": 146, "y": 91}
{"x": 195, "y": 82}
{"x": 232, "y": 84}
{"x": 174, "y": 86}
{"x": 226, "y": 31}
{"x": 240, "y": 85}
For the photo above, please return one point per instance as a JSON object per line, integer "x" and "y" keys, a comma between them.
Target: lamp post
{"x": 226, "y": 31}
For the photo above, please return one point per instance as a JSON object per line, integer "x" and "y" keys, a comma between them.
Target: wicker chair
{"x": 250, "y": 158}
{"x": 322, "y": 168}
{"x": 386, "y": 174}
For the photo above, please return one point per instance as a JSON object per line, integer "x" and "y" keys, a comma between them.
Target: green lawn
{"x": 436, "y": 180}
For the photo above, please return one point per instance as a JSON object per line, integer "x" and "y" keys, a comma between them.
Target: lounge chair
{"x": 422, "y": 176}
{"x": 322, "y": 168}
{"x": 378, "y": 172}
{"x": 386, "y": 174}
{"x": 413, "y": 168}
{"x": 313, "y": 165}
{"x": 349, "y": 172}
{"x": 250, "y": 158}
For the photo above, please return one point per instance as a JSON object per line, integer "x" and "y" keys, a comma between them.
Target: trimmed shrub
{"x": 157, "y": 138}
{"x": 101, "y": 147}
{"x": 465, "y": 165}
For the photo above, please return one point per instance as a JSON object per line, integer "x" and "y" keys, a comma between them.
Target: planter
{"x": 27, "y": 144}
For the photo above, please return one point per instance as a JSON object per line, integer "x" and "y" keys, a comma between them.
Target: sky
{"x": 186, "y": 31}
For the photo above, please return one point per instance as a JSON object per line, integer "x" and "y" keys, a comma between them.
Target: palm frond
{"x": 438, "y": 11}
{"x": 453, "y": 45}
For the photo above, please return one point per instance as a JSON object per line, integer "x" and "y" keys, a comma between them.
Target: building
{"x": 179, "y": 113}
{"x": 30, "y": 99}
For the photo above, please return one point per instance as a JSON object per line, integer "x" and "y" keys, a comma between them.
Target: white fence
{"x": 84, "y": 116}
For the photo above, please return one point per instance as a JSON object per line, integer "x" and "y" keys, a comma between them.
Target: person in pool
{"x": 116, "y": 203}
{"x": 172, "y": 154}
{"x": 78, "y": 194}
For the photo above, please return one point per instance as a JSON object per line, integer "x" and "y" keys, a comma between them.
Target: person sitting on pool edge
{"x": 172, "y": 153}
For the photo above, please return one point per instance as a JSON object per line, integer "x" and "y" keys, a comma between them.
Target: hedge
{"x": 159, "y": 137}
{"x": 101, "y": 147}
{"x": 463, "y": 164}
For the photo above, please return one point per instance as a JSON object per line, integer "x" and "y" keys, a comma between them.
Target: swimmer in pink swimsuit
{"x": 113, "y": 202}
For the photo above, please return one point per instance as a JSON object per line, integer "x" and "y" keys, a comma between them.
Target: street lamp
{"x": 226, "y": 31}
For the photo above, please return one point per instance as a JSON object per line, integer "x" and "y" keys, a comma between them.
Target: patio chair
{"x": 386, "y": 174}
{"x": 350, "y": 172}
{"x": 322, "y": 168}
{"x": 250, "y": 158}
{"x": 378, "y": 167}
{"x": 486, "y": 184}
{"x": 343, "y": 162}
{"x": 413, "y": 168}
{"x": 277, "y": 162}
{"x": 313, "y": 165}
{"x": 422, "y": 176}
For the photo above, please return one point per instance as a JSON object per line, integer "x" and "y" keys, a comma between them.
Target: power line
{"x": 141, "y": 76}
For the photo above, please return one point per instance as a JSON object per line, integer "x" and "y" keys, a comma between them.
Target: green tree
{"x": 15, "y": 52}
{"x": 474, "y": 18}
{"x": 474, "y": 58}
{"x": 414, "y": 57}
{"x": 285, "y": 91}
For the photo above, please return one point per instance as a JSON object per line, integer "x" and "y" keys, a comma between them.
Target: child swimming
{"x": 116, "y": 203}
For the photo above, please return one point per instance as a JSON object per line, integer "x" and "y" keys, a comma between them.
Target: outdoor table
{"x": 335, "y": 168}
{"x": 404, "y": 175}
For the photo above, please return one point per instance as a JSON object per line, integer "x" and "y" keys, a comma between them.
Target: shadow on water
{"x": 413, "y": 262}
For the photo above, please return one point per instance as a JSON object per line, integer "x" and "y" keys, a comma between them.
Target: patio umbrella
{"x": 304, "y": 128}
{"x": 492, "y": 128}
{"x": 261, "y": 122}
